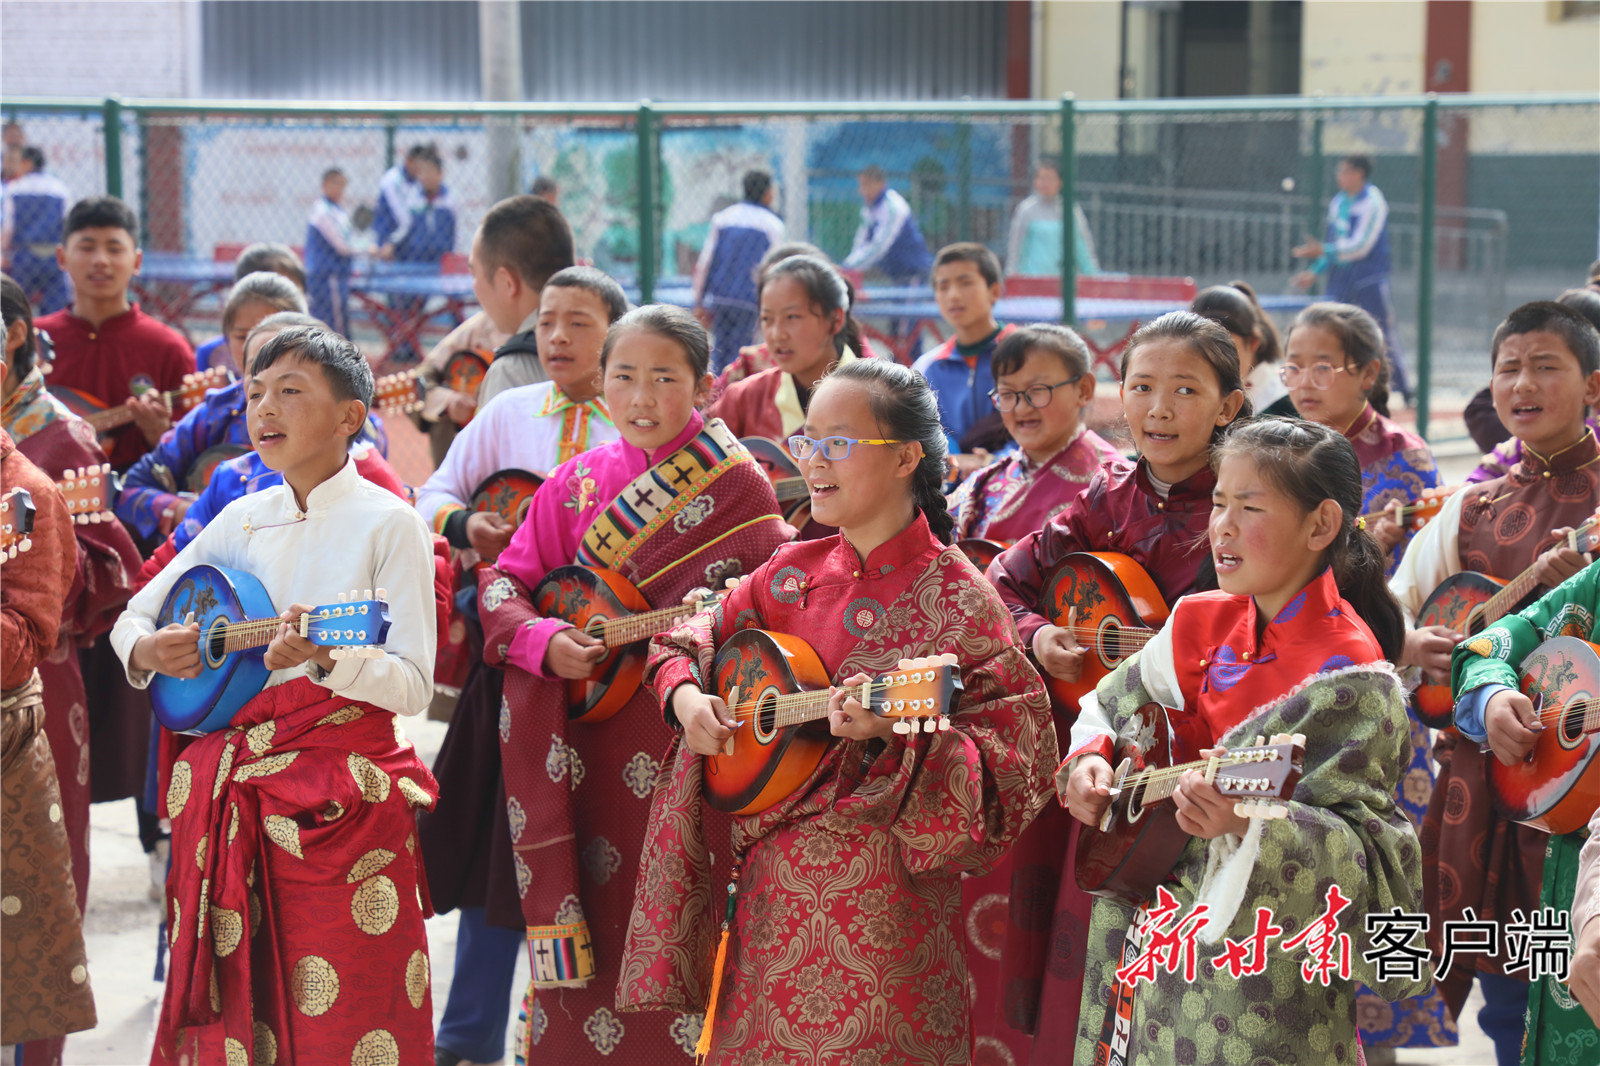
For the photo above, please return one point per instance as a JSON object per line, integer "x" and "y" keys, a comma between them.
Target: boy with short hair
{"x": 966, "y": 284}
{"x": 330, "y": 251}
{"x": 107, "y": 346}
{"x": 465, "y": 841}
{"x": 522, "y": 241}
{"x": 1545, "y": 360}
{"x": 295, "y": 914}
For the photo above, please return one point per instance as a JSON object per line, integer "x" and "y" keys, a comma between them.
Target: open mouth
{"x": 643, "y": 423}
{"x": 1526, "y": 411}
{"x": 1226, "y": 562}
{"x": 822, "y": 489}
{"x": 270, "y": 437}
{"x": 1160, "y": 438}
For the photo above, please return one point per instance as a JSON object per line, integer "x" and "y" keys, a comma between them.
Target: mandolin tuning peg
{"x": 383, "y": 594}
{"x": 336, "y": 653}
{"x": 731, "y": 583}
{"x": 341, "y": 597}
{"x": 1298, "y": 738}
{"x": 930, "y": 725}
{"x": 903, "y": 664}
{"x": 903, "y": 727}
{"x": 366, "y": 594}
{"x": 944, "y": 723}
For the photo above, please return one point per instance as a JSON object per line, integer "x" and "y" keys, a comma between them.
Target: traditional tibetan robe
{"x": 846, "y": 941}
{"x": 1504, "y": 457}
{"x": 1313, "y": 664}
{"x": 1475, "y": 858}
{"x": 44, "y": 976}
{"x": 1396, "y": 465}
{"x": 55, "y": 440}
{"x": 691, "y": 514}
{"x": 295, "y": 899}
{"x": 1014, "y": 496}
{"x": 1120, "y": 511}
{"x": 1559, "y": 1030}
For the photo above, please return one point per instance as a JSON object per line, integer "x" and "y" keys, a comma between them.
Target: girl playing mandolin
{"x": 1302, "y": 612}
{"x": 843, "y": 937}
{"x": 673, "y": 505}
{"x": 1180, "y": 390}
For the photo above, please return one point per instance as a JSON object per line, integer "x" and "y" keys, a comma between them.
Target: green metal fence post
{"x": 1425, "y": 257}
{"x": 646, "y": 133}
{"x": 963, "y": 178}
{"x": 1069, "y": 213}
{"x": 1315, "y": 178}
{"x": 389, "y": 129}
{"x": 111, "y": 116}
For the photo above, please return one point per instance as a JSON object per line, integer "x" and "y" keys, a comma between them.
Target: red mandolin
{"x": 507, "y": 492}
{"x": 982, "y": 552}
{"x": 1557, "y": 786}
{"x": 1138, "y": 841}
{"x": 785, "y": 476}
{"x": 1118, "y": 610}
{"x": 1467, "y": 603}
{"x": 776, "y": 688}
{"x": 605, "y": 605}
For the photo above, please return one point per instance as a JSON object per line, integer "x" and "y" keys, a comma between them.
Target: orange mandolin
{"x": 1118, "y": 610}
{"x": 1557, "y": 786}
{"x": 404, "y": 393}
{"x": 1467, "y": 603}
{"x": 507, "y": 492}
{"x": 605, "y": 605}
{"x": 982, "y": 552}
{"x": 1138, "y": 840}
{"x": 105, "y": 419}
{"x": 785, "y": 476}
{"x": 1418, "y": 512}
{"x": 777, "y": 690}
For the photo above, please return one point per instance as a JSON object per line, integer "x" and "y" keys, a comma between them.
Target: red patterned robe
{"x": 1013, "y": 497}
{"x": 1120, "y": 511}
{"x": 56, "y": 441}
{"x": 846, "y": 940}
{"x": 578, "y": 794}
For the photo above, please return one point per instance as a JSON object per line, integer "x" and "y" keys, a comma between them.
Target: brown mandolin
{"x": 1138, "y": 841}
{"x": 1118, "y": 607}
{"x": 403, "y": 393}
{"x": 777, "y": 690}
{"x": 106, "y": 419}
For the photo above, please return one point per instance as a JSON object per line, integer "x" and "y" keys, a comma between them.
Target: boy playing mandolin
{"x": 293, "y": 899}
{"x": 1545, "y": 361}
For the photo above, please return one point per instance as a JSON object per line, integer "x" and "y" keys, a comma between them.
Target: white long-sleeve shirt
{"x": 352, "y": 535}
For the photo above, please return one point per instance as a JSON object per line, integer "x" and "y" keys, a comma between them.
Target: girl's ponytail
{"x": 906, "y": 409}
{"x": 1310, "y": 463}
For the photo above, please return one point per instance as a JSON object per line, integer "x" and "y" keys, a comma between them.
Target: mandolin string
{"x": 813, "y": 699}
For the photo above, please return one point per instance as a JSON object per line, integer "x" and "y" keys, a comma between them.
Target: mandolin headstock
{"x": 88, "y": 493}
{"x": 1266, "y": 771}
{"x": 398, "y": 393}
{"x": 920, "y": 692}
{"x": 354, "y": 626}
{"x": 16, "y": 522}
{"x": 195, "y": 386}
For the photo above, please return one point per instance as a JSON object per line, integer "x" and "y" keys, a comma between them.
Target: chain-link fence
{"x": 1208, "y": 190}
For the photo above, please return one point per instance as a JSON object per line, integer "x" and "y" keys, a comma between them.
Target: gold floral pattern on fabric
{"x": 259, "y": 737}
{"x": 224, "y": 767}
{"x": 233, "y": 821}
{"x": 516, "y": 818}
{"x": 266, "y": 1044}
{"x": 255, "y": 913}
{"x": 415, "y": 794}
{"x": 369, "y": 864}
{"x": 314, "y": 985}
{"x": 174, "y": 923}
{"x": 200, "y": 852}
{"x": 178, "y": 788}
{"x": 200, "y": 911}
{"x": 10, "y": 906}
{"x": 377, "y": 1048}
{"x": 227, "y": 929}
{"x": 417, "y": 977}
{"x": 372, "y": 781}
{"x": 235, "y": 1052}
{"x": 213, "y": 992}
{"x": 342, "y": 716}
{"x": 284, "y": 832}
{"x": 375, "y": 905}
{"x": 604, "y": 1030}
{"x": 266, "y": 767}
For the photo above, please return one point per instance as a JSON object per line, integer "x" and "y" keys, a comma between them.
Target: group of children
{"x": 913, "y": 896}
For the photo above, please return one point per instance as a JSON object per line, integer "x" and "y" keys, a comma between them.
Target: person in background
{"x": 1235, "y": 308}
{"x": 260, "y": 256}
{"x": 966, "y": 284}
{"x": 1033, "y": 244}
{"x": 33, "y": 206}
{"x": 725, "y": 275}
{"x": 1354, "y": 253}
{"x": 105, "y": 345}
{"x": 888, "y": 241}
{"x": 392, "y": 212}
{"x": 425, "y": 235}
{"x": 330, "y": 251}
{"x": 546, "y": 189}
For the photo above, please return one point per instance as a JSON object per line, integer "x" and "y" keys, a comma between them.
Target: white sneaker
{"x": 159, "y": 857}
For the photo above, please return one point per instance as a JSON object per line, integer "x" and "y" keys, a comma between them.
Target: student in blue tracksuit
{"x": 33, "y": 207}
{"x": 966, "y": 284}
{"x": 1354, "y": 253}
{"x": 725, "y": 275}
{"x": 426, "y": 233}
{"x": 330, "y": 252}
{"x": 888, "y": 240}
{"x": 391, "y": 215}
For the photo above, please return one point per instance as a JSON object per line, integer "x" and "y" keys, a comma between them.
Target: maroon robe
{"x": 1472, "y": 857}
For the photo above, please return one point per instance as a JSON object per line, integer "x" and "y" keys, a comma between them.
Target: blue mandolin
{"x": 237, "y": 622}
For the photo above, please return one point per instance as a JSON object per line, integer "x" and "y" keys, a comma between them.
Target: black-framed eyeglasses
{"x": 1036, "y": 395}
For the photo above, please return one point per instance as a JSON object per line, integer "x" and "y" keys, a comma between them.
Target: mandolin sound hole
{"x": 765, "y": 723}
{"x": 1571, "y": 723}
{"x": 1110, "y": 654}
{"x": 216, "y": 643}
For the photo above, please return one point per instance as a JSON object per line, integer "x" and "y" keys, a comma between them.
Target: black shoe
{"x": 443, "y": 1056}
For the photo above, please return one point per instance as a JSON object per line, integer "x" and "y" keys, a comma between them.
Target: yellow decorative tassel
{"x": 703, "y": 1047}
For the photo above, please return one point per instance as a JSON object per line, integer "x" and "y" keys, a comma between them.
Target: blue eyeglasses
{"x": 833, "y": 448}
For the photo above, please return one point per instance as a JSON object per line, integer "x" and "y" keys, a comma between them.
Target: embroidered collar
{"x": 1364, "y": 418}
{"x": 899, "y": 551}
{"x": 1297, "y": 624}
{"x": 1578, "y": 454}
{"x": 1186, "y": 495}
{"x": 556, "y": 401}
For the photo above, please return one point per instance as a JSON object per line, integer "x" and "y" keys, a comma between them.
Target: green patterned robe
{"x": 1343, "y": 828}
{"x": 1560, "y": 1030}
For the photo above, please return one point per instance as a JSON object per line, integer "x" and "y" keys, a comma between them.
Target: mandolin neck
{"x": 619, "y": 632}
{"x": 790, "y": 488}
{"x": 252, "y": 633}
{"x": 1516, "y": 590}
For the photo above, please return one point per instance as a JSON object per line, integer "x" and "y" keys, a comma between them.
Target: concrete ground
{"x": 121, "y": 927}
